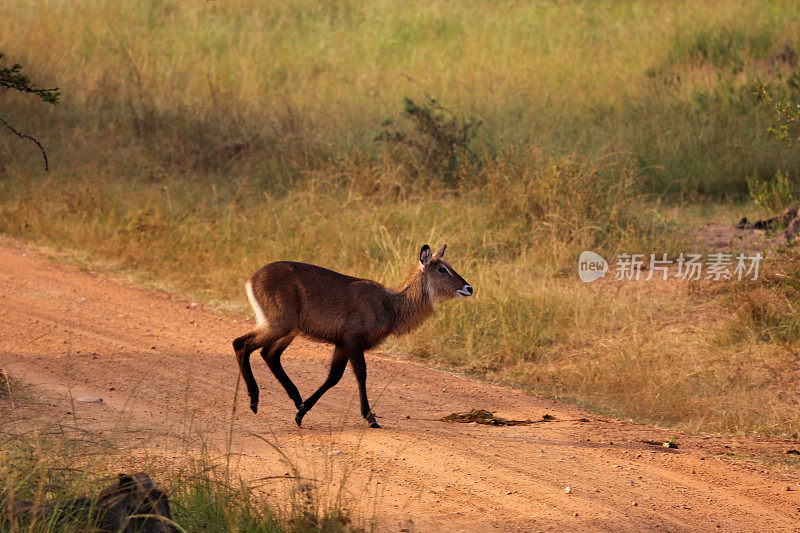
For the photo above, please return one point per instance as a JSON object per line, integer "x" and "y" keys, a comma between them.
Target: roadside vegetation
{"x": 51, "y": 474}
{"x": 196, "y": 141}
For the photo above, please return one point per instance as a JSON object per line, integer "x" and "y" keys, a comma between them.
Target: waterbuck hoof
{"x": 254, "y": 407}
{"x": 298, "y": 418}
{"x": 374, "y": 424}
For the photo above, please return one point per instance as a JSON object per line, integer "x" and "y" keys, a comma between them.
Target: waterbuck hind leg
{"x": 243, "y": 347}
{"x": 338, "y": 365}
{"x": 246, "y": 345}
{"x": 360, "y": 370}
{"x": 272, "y": 356}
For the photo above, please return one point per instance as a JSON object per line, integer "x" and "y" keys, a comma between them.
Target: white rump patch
{"x": 261, "y": 319}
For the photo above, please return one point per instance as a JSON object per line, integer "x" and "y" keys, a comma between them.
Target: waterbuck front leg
{"x": 272, "y": 356}
{"x": 360, "y": 370}
{"x": 338, "y": 365}
{"x": 243, "y": 347}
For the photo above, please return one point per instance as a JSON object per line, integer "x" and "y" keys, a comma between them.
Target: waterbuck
{"x": 353, "y": 314}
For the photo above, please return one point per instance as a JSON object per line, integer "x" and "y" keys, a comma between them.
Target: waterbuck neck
{"x": 412, "y": 303}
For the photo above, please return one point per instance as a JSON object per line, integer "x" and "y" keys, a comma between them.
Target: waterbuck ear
{"x": 425, "y": 256}
{"x": 440, "y": 254}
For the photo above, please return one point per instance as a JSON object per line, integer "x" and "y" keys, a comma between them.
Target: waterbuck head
{"x": 441, "y": 280}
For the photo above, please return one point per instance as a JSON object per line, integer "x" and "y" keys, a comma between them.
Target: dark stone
{"x": 132, "y": 505}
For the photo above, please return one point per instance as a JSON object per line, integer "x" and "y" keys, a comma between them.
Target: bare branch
{"x": 25, "y": 136}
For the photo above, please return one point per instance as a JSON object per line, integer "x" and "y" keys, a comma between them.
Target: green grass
{"x": 197, "y": 141}
{"x": 666, "y": 83}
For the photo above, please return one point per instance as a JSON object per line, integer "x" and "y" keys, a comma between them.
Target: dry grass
{"x": 197, "y": 141}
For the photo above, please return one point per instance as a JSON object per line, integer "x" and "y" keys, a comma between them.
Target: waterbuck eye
{"x": 443, "y": 270}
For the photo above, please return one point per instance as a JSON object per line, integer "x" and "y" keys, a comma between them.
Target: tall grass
{"x": 197, "y": 141}
{"x": 306, "y": 82}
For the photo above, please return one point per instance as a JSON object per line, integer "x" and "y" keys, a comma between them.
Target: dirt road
{"x": 157, "y": 360}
